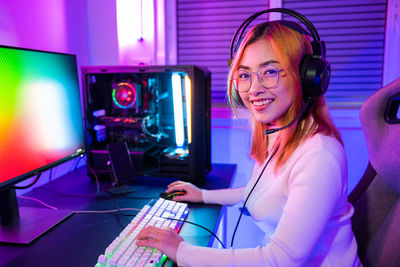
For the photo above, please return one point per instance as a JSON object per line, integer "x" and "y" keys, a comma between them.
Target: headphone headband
{"x": 313, "y": 31}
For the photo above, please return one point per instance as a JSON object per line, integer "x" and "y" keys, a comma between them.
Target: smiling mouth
{"x": 263, "y": 102}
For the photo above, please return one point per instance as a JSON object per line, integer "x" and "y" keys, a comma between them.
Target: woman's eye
{"x": 269, "y": 72}
{"x": 244, "y": 76}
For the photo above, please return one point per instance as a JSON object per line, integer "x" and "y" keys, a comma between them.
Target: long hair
{"x": 290, "y": 47}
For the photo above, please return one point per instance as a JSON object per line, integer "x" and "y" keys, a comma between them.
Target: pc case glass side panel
{"x": 137, "y": 108}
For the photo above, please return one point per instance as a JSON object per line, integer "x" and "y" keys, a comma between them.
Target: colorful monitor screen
{"x": 40, "y": 112}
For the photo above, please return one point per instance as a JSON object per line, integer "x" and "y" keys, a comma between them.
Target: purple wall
{"x": 86, "y": 28}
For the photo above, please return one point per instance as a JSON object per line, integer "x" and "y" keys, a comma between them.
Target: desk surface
{"x": 81, "y": 238}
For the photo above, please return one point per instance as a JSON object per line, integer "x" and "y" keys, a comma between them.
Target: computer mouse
{"x": 171, "y": 195}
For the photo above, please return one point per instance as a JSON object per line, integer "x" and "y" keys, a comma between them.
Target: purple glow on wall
{"x": 38, "y": 24}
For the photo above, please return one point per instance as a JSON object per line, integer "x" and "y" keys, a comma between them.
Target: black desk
{"x": 81, "y": 238}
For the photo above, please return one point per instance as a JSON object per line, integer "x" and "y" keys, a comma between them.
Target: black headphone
{"x": 315, "y": 70}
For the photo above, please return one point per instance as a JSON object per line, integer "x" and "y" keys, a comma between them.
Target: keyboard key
{"x": 102, "y": 259}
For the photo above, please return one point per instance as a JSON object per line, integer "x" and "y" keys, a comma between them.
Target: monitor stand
{"x": 28, "y": 223}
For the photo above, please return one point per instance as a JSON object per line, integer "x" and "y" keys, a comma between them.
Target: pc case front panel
{"x": 161, "y": 112}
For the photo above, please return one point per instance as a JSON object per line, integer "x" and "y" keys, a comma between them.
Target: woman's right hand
{"x": 193, "y": 193}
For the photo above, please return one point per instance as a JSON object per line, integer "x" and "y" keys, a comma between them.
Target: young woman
{"x": 300, "y": 199}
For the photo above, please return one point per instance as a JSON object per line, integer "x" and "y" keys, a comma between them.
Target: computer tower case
{"x": 161, "y": 112}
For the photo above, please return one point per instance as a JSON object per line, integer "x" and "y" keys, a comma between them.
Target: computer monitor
{"x": 40, "y": 127}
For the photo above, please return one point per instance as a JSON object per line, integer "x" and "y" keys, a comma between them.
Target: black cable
{"x": 303, "y": 109}
{"x": 77, "y": 162}
{"x": 119, "y": 213}
{"x": 248, "y": 196}
{"x": 28, "y": 185}
{"x": 95, "y": 176}
{"x": 198, "y": 225}
{"x": 50, "y": 174}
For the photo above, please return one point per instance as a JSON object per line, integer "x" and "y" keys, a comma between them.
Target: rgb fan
{"x": 124, "y": 95}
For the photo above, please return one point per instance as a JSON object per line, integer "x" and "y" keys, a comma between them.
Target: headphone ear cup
{"x": 315, "y": 75}
{"x": 303, "y": 70}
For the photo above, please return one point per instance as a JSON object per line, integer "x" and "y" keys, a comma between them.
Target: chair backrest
{"x": 376, "y": 198}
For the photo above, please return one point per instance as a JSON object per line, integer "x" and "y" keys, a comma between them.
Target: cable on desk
{"x": 120, "y": 213}
{"x": 79, "y": 160}
{"x": 105, "y": 211}
{"x": 198, "y": 225}
{"x": 67, "y": 195}
{"x": 28, "y": 185}
{"x": 93, "y": 196}
{"x": 119, "y": 210}
{"x": 50, "y": 174}
{"x": 83, "y": 196}
{"x": 39, "y": 201}
{"x": 95, "y": 176}
{"x": 80, "y": 211}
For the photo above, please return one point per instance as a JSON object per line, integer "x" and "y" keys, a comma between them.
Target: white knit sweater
{"x": 303, "y": 211}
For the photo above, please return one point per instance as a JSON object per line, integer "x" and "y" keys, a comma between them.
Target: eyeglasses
{"x": 268, "y": 76}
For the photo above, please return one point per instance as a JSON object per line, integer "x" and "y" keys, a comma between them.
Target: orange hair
{"x": 290, "y": 47}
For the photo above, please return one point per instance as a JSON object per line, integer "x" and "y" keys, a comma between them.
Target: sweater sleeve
{"x": 315, "y": 185}
{"x": 229, "y": 196}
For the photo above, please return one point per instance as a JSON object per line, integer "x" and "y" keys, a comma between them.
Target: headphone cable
{"x": 251, "y": 191}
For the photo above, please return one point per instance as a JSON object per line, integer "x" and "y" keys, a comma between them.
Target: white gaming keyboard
{"x": 123, "y": 250}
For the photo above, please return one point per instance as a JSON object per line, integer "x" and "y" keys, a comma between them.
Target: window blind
{"x": 205, "y": 30}
{"x": 354, "y": 33}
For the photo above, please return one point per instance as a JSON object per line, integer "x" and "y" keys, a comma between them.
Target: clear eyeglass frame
{"x": 268, "y": 77}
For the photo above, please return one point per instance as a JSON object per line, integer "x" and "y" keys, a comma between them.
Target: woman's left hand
{"x": 163, "y": 239}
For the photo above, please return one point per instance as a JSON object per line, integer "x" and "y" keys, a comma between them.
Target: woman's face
{"x": 267, "y": 105}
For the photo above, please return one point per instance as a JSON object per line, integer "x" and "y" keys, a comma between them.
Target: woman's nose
{"x": 255, "y": 86}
